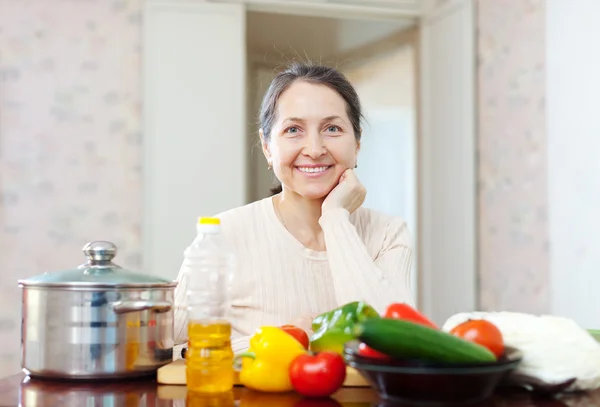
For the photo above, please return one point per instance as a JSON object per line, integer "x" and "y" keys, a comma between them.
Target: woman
{"x": 311, "y": 247}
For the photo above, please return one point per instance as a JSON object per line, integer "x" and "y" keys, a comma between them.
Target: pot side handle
{"x": 125, "y": 307}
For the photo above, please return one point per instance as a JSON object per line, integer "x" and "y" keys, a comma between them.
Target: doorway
{"x": 379, "y": 59}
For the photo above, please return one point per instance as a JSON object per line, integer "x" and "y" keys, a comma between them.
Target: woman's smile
{"x": 313, "y": 171}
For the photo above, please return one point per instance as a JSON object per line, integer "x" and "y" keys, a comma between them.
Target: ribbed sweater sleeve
{"x": 356, "y": 275}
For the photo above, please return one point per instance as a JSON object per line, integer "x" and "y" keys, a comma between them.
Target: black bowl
{"x": 427, "y": 383}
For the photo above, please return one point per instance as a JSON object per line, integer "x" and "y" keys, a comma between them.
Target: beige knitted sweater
{"x": 368, "y": 258}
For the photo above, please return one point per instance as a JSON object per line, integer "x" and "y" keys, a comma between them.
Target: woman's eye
{"x": 333, "y": 129}
{"x": 292, "y": 130}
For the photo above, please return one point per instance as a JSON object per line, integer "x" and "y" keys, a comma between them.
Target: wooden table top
{"x": 19, "y": 390}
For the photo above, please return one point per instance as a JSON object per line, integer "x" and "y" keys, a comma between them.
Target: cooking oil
{"x": 209, "y": 266}
{"x": 209, "y": 358}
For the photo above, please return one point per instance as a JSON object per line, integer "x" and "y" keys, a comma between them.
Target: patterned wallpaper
{"x": 70, "y": 139}
{"x": 513, "y": 223}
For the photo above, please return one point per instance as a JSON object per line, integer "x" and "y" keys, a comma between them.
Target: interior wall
{"x": 276, "y": 38}
{"x": 70, "y": 142}
{"x": 572, "y": 101}
{"x": 514, "y": 267}
{"x": 538, "y": 155}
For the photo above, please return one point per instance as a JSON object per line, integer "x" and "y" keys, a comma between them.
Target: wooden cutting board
{"x": 174, "y": 374}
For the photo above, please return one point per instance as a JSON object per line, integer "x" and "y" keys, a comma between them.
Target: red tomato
{"x": 298, "y": 333}
{"x": 483, "y": 333}
{"x": 408, "y": 313}
{"x": 364, "y": 350}
{"x": 318, "y": 375}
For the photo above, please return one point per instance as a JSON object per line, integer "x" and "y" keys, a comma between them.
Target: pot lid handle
{"x": 100, "y": 253}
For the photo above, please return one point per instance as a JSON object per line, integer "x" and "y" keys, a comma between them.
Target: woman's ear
{"x": 265, "y": 146}
{"x": 358, "y": 142}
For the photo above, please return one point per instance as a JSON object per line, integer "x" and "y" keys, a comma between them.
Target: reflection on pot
{"x": 46, "y": 393}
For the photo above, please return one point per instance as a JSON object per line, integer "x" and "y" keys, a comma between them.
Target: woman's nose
{"x": 314, "y": 146}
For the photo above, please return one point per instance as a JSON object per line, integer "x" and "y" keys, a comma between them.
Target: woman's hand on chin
{"x": 348, "y": 194}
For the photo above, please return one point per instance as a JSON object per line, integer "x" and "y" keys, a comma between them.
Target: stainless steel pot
{"x": 96, "y": 321}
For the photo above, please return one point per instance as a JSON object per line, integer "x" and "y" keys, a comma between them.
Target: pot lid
{"x": 97, "y": 272}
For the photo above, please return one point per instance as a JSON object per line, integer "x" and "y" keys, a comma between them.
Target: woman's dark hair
{"x": 317, "y": 74}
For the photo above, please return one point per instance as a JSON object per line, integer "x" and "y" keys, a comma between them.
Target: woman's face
{"x": 312, "y": 141}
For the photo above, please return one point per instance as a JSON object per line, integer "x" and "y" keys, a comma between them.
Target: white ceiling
{"x": 276, "y": 34}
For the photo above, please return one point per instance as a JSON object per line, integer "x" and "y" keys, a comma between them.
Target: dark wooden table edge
{"x": 11, "y": 387}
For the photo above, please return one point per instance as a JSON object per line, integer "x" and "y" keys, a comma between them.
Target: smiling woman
{"x": 312, "y": 246}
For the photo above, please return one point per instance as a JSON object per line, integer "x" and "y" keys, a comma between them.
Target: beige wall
{"x": 70, "y": 137}
{"x": 512, "y": 152}
{"x": 394, "y": 68}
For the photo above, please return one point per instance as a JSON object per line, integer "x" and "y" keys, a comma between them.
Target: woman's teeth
{"x": 312, "y": 169}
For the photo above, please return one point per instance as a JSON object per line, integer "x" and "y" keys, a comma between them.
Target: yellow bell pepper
{"x": 265, "y": 366}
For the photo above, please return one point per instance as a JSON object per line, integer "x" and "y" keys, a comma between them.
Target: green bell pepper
{"x": 333, "y": 329}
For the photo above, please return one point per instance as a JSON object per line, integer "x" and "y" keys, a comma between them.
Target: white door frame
{"x": 448, "y": 280}
{"x": 352, "y": 9}
{"x": 192, "y": 148}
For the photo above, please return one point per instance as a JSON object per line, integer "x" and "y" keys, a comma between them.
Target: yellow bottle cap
{"x": 209, "y": 221}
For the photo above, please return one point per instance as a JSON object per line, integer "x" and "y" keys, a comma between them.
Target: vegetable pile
{"x": 282, "y": 359}
{"x": 405, "y": 333}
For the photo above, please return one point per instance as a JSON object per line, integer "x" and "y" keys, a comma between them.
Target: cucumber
{"x": 408, "y": 340}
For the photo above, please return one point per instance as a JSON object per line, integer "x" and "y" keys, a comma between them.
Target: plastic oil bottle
{"x": 209, "y": 268}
